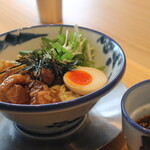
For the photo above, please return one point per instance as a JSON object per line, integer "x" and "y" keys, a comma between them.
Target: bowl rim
{"x": 70, "y": 103}
{"x": 123, "y": 109}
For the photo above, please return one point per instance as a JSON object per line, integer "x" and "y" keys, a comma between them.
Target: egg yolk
{"x": 79, "y": 77}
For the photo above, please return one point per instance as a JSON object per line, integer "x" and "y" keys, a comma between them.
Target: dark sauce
{"x": 144, "y": 121}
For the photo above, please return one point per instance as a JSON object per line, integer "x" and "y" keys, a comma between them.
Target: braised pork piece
{"x": 19, "y": 88}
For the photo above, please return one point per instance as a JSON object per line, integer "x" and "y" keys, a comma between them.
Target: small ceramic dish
{"x": 135, "y": 106}
{"x": 59, "y": 117}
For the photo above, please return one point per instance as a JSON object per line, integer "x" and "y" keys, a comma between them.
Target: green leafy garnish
{"x": 71, "y": 46}
{"x": 101, "y": 68}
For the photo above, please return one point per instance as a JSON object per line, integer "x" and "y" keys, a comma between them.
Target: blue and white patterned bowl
{"x": 57, "y": 117}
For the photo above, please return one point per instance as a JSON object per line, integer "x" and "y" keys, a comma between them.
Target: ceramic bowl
{"x": 135, "y": 105}
{"x": 58, "y": 117}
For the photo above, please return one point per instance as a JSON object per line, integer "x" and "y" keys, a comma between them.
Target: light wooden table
{"x": 126, "y": 21}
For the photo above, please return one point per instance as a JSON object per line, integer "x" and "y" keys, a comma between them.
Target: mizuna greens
{"x": 70, "y": 46}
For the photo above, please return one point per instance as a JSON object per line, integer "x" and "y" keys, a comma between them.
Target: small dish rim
{"x": 123, "y": 109}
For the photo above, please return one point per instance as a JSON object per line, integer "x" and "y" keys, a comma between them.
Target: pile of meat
{"x": 19, "y": 88}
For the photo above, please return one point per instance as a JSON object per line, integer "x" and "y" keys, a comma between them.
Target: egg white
{"x": 99, "y": 79}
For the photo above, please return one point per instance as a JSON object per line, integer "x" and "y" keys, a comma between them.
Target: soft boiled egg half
{"x": 84, "y": 80}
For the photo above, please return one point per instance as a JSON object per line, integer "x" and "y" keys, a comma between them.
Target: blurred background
{"x": 126, "y": 21}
